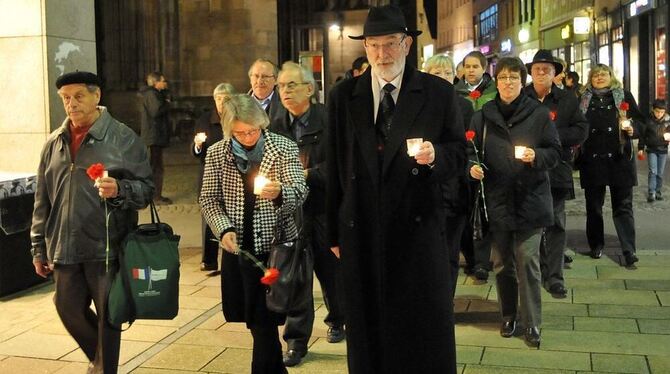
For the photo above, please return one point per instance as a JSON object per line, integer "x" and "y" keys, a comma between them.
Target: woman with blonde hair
{"x": 607, "y": 159}
{"x": 243, "y": 217}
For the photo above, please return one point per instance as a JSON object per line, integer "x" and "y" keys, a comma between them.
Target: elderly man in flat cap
{"x": 395, "y": 136}
{"x": 68, "y": 232}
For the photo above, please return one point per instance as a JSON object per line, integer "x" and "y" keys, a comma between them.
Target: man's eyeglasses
{"x": 389, "y": 46}
{"x": 509, "y": 78}
{"x": 245, "y": 134}
{"x": 290, "y": 85}
{"x": 261, "y": 77}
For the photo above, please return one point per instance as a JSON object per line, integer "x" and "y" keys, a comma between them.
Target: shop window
{"x": 661, "y": 68}
{"x": 488, "y": 24}
{"x": 603, "y": 48}
{"x": 581, "y": 59}
{"x": 617, "y": 52}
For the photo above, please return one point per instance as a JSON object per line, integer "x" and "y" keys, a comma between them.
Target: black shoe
{"x": 507, "y": 329}
{"x": 481, "y": 273}
{"x": 208, "y": 267}
{"x": 557, "y": 290}
{"x": 659, "y": 197}
{"x": 630, "y": 258}
{"x": 567, "y": 259}
{"x": 651, "y": 198}
{"x": 532, "y": 337}
{"x": 468, "y": 270}
{"x": 596, "y": 253}
{"x": 292, "y": 357}
{"x": 335, "y": 334}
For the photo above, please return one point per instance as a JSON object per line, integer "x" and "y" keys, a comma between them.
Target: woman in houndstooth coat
{"x": 245, "y": 221}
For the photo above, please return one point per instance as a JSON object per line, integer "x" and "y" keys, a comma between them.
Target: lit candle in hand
{"x": 413, "y": 146}
{"x": 259, "y": 182}
{"x": 519, "y": 150}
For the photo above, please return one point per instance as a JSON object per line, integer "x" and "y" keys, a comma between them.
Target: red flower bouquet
{"x": 96, "y": 171}
{"x": 624, "y": 106}
{"x": 474, "y": 95}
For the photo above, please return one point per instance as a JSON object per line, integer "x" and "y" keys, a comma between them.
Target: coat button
{"x": 415, "y": 171}
{"x": 353, "y": 177}
{"x": 351, "y": 223}
{"x": 609, "y": 129}
{"x": 417, "y": 219}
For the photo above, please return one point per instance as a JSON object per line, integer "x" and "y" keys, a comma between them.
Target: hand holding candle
{"x": 426, "y": 154}
{"x": 523, "y": 153}
{"x": 413, "y": 146}
{"x": 259, "y": 183}
{"x": 200, "y": 138}
{"x": 266, "y": 189}
{"x": 518, "y": 151}
{"x": 666, "y": 136}
{"x": 627, "y": 127}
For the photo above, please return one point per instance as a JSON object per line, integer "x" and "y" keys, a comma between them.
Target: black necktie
{"x": 386, "y": 109}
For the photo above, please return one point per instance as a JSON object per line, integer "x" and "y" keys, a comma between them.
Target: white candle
{"x": 201, "y": 136}
{"x": 259, "y": 183}
{"x": 519, "y": 151}
{"x": 105, "y": 174}
{"x": 625, "y": 124}
{"x": 413, "y": 146}
{"x": 666, "y": 136}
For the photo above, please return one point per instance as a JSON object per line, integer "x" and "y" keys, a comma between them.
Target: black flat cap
{"x": 77, "y": 77}
{"x": 385, "y": 20}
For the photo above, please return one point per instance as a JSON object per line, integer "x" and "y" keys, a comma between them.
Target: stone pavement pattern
{"x": 614, "y": 319}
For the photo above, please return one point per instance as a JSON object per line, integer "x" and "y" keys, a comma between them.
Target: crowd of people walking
{"x": 400, "y": 173}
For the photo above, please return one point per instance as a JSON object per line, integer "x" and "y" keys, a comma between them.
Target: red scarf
{"x": 77, "y": 135}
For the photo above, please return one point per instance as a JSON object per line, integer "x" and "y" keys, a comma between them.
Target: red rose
{"x": 271, "y": 276}
{"x": 469, "y": 135}
{"x": 95, "y": 171}
{"x": 474, "y": 95}
{"x": 641, "y": 156}
{"x": 552, "y": 116}
{"x": 624, "y": 106}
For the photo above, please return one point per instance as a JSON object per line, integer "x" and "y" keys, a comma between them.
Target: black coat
{"x": 312, "y": 153}
{"x": 603, "y": 161}
{"x": 456, "y": 191}
{"x": 209, "y": 123}
{"x": 389, "y": 224}
{"x": 155, "y": 129}
{"x": 518, "y": 194}
{"x": 572, "y": 130}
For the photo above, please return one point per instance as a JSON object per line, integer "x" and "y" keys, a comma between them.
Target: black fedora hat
{"x": 544, "y": 55}
{"x": 385, "y": 20}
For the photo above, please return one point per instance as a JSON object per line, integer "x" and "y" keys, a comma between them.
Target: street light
{"x": 524, "y": 35}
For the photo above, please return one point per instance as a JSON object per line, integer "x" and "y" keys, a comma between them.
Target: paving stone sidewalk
{"x": 614, "y": 319}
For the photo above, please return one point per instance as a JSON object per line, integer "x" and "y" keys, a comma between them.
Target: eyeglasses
{"x": 601, "y": 74}
{"x": 290, "y": 85}
{"x": 390, "y": 46}
{"x": 542, "y": 69}
{"x": 245, "y": 134}
{"x": 508, "y": 78}
{"x": 261, "y": 77}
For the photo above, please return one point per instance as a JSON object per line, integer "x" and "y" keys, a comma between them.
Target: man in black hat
{"x": 572, "y": 130}
{"x": 385, "y": 217}
{"x": 68, "y": 234}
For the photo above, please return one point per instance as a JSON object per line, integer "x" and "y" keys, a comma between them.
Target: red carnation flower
{"x": 474, "y": 95}
{"x": 624, "y": 106}
{"x": 270, "y": 277}
{"x": 95, "y": 171}
{"x": 641, "y": 156}
{"x": 552, "y": 116}
{"x": 469, "y": 135}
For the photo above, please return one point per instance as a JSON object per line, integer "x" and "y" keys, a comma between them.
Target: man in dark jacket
{"x": 384, "y": 210}
{"x": 305, "y": 123}
{"x": 654, "y": 137}
{"x": 68, "y": 232}
{"x": 572, "y": 130}
{"x": 155, "y": 130}
{"x": 263, "y": 78}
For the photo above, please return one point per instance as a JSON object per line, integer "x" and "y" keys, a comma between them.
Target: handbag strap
{"x": 154, "y": 213}
{"x": 277, "y": 237}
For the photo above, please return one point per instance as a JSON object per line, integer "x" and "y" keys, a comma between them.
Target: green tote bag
{"x": 147, "y": 283}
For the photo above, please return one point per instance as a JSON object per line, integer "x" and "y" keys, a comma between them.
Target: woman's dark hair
{"x": 513, "y": 64}
{"x": 574, "y": 76}
{"x": 658, "y": 104}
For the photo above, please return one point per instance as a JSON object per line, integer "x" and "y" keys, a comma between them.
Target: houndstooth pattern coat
{"x": 222, "y": 194}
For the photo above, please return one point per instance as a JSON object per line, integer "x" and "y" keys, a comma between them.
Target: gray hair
{"x": 224, "y": 89}
{"x": 305, "y": 74}
{"x": 245, "y": 109}
{"x": 275, "y": 70}
{"x": 439, "y": 61}
{"x": 154, "y": 77}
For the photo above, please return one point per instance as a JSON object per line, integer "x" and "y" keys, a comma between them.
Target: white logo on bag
{"x": 151, "y": 275}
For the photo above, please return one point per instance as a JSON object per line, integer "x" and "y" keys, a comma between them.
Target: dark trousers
{"x": 553, "y": 242}
{"x": 266, "y": 357}
{"x": 156, "y": 162}
{"x": 622, "y": 214}
{"x": 299, "y": 324}
{"x": 210, "y": 248}
{"x": 454, "y": 232}
{"x": 76, "y": 285}
{"x": 516, "y": 263}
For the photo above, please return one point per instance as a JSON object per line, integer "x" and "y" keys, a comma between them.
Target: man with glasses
{"x": 385, "y": 216}
{"x": 263, "y": 78}
{"x": 305, "y": 123}
{"x": 572, "y": 130}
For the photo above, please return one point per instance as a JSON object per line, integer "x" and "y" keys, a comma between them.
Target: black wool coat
{"x": 312, "y": 153}
{"x": 518, "y": 194}
{"x": 602, "y": 160}
{"x": 388, "y": 221}
{"x": 209, "y": 123}
{"x": 572, "y": 130}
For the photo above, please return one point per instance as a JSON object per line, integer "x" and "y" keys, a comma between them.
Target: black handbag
{"x": 147, "y": 283}
{"x": 294, "y": 261}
